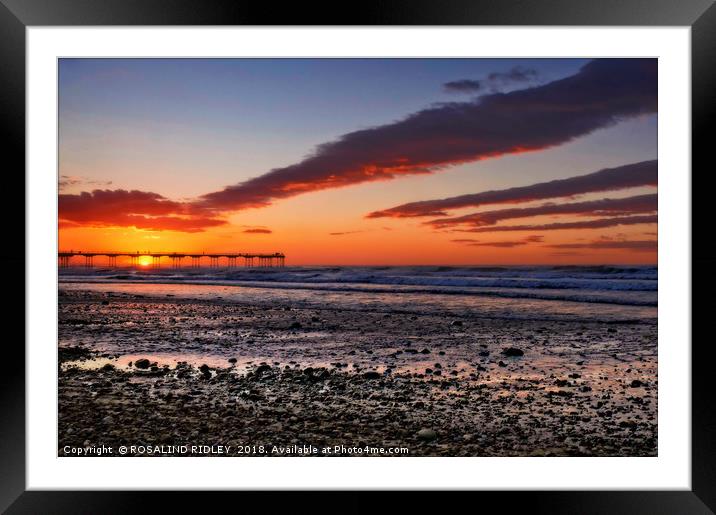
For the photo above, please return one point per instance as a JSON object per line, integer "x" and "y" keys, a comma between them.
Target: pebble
{"x": 427, "y": 434}
{"x": 513, "y": 351}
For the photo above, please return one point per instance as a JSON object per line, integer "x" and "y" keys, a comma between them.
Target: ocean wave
{"x": 601, "y": 278}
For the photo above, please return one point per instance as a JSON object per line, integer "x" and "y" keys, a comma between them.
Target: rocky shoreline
{"x": 258, "y": 379}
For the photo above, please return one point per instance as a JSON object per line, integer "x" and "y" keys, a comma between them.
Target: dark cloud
{"x": 122, "y": 208}
{"x": 258, "y": 231}
{"x": 632, "y": 175}
{"x": 493, "y": 82}
{"x": 600, "y": 223}
{"x": 463, "y": 86}
{"x": 516, "y": 74}
{"x": 638, "y": 245}
{"x": 603, "y": 207}
{"x": 602, "y": 93}
{"x": 499, "y": 244}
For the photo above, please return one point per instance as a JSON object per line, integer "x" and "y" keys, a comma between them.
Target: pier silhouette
{"x": 231, "y": 259}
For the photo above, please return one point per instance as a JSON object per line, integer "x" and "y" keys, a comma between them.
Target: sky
{"x": 362, "y": 161}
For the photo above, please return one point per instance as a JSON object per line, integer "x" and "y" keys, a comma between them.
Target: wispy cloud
{"x": 499, "y": 244}
{"x": 344, "y": 233}
{"x": 611, "y": 207}
{"x": 637, "y": 245}
{"x": 602, "y": 93}
{"x": 257, "y": 230}
{"x": 609, "y": 179}
{"x": 599, "y": 223}
{"x": 68, "y": 181}
{"x": 463, "y": 86}
{"x": 494, "y": 82}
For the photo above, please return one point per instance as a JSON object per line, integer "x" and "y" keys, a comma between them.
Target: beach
{"x": 165, "y": 363}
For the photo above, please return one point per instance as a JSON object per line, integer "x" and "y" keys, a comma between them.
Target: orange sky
{"x": 172, "y": 139}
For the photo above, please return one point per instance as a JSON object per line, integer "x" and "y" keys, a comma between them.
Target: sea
{"x": 608, "y": 293}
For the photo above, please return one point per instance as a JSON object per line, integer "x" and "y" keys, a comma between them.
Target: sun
{"x": 145, "y": 261}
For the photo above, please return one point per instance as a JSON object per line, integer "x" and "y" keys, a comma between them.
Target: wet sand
{"x": 138, "y": 370}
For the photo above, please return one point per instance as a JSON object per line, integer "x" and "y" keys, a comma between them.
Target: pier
{"x": 230, "y": 259}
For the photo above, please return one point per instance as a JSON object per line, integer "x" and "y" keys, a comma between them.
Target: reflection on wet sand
{"x": 166, "y": 368}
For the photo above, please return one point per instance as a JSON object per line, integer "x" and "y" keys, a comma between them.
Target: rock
{"x": 502, "y": 363}
{"x": 425, "y": 351}
{"x": 263, "y": 368}
{"x": 105, "y": 303}
{"x": 427, "y": 434}
{"x": 108, "y": 367}
{"x": 232, "y": 360}
{"x": 513, "y": 351}
{"x": 142, "y": 363}
{"x": 371, "y": 375}
{"x": 484, "y": 353}
{"x": 636, "y": 383}
{"x": 204, "y": 368}
{"x": 295, "y": 325}
{"x": 574, "y": 376}
{"x": 456, "y": 323}
{"x": 108, "y": 420}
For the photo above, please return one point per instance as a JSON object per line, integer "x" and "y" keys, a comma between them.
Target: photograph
{"x": 357, "y": 257}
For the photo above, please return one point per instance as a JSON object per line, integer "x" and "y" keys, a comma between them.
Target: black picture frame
{"x": 17, "y": 15}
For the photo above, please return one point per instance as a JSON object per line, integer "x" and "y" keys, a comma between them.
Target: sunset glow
{"x": 144, "y": 261}
{"x": 323, "y": 161}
